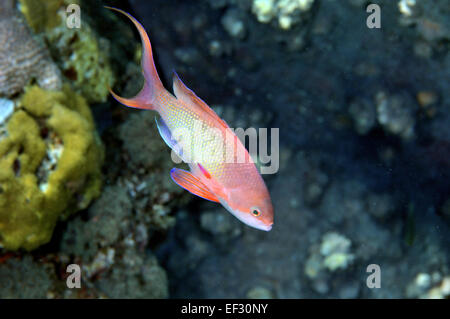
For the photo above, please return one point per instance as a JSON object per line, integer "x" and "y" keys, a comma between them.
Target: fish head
{"x": 253, "y": 209}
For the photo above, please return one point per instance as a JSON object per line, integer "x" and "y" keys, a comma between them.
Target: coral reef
{"x": 6, "y": 109}
{"x": 394, "y": 116}
{"x": 233, "y": 23}
{"x": 364, "y": 153}
{"x": 429, "y": 286}
{"x": 80, "y": 53}
{"x": 50, "y": 165}
{"x": 110, "y": 246}
{"x": 335, "y": 249}
{"x": 441, "y": 291}
{"x": 41, "y": 15}
{"x": 430, "y": 22}
{"x": 331, "y": 255}
{"x": 406, "y": 7}
{"x": 110, "y": 241}
{"x": 136, "y": 276}
{"x": 286, "y": 12}
{"x": 83, "y": 59}
{"x": 23, "y": 58}
{"x": 24, "y": 279}
{"x": 394, "y": 113}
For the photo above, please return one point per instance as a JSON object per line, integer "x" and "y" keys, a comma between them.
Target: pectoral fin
{"x": 166, "y": 135}
{"x": 192, "y": 184}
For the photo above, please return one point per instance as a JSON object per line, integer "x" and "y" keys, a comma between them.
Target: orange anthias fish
{"x": 221, "y": 170}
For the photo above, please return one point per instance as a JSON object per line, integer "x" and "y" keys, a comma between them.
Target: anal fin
{"x": 192, "y": 184}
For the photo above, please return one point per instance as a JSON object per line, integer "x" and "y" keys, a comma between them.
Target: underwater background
{"x": 364, "y": 132}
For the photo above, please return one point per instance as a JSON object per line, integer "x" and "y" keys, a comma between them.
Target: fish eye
{"x": 256, "y": 212}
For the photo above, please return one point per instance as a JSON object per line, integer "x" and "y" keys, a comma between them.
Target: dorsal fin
{"x": 183, "y": 93}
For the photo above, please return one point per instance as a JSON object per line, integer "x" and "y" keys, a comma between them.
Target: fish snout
{"x": 265, "y": 227}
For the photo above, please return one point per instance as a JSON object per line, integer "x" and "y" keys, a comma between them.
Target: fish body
{"x": 221, "y": 170}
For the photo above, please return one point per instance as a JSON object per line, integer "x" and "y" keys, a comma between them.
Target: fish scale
{"x": 178, "y": 115}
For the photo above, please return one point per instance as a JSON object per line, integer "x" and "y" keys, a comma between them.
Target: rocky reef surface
{"x": 53, "y": 142}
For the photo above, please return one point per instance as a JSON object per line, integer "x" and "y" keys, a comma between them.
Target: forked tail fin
{"x": 152, "y": 84}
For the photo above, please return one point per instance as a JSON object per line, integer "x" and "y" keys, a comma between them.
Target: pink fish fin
{"x": 213, "y": 185}
{"x": 183, "y": 93}
{"x": 166, "y": 135}
{"x": 192, "y": 184}
{"x": 204, "y": 171}
{"x": 152, "y": 84}
{"x": 140, "y": 101}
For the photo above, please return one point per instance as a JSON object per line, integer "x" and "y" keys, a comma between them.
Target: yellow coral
{"x": 41, "y": 14}
{"x": 29, "y": 211}
{"x": 79, "y": 52}
{"x": 82, "y": 57}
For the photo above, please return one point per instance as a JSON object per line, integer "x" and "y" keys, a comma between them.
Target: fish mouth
{"x": 265, "y": 227}
{"x": 255, "y": 224}
{"x": 258, "y": 224}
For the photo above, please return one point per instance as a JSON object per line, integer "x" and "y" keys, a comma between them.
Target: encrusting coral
{"x": 41, "y": 15}
{"x": 80, "y": 53}
{"x": 83, "y": 60}
{"x": 50, "y": 165}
